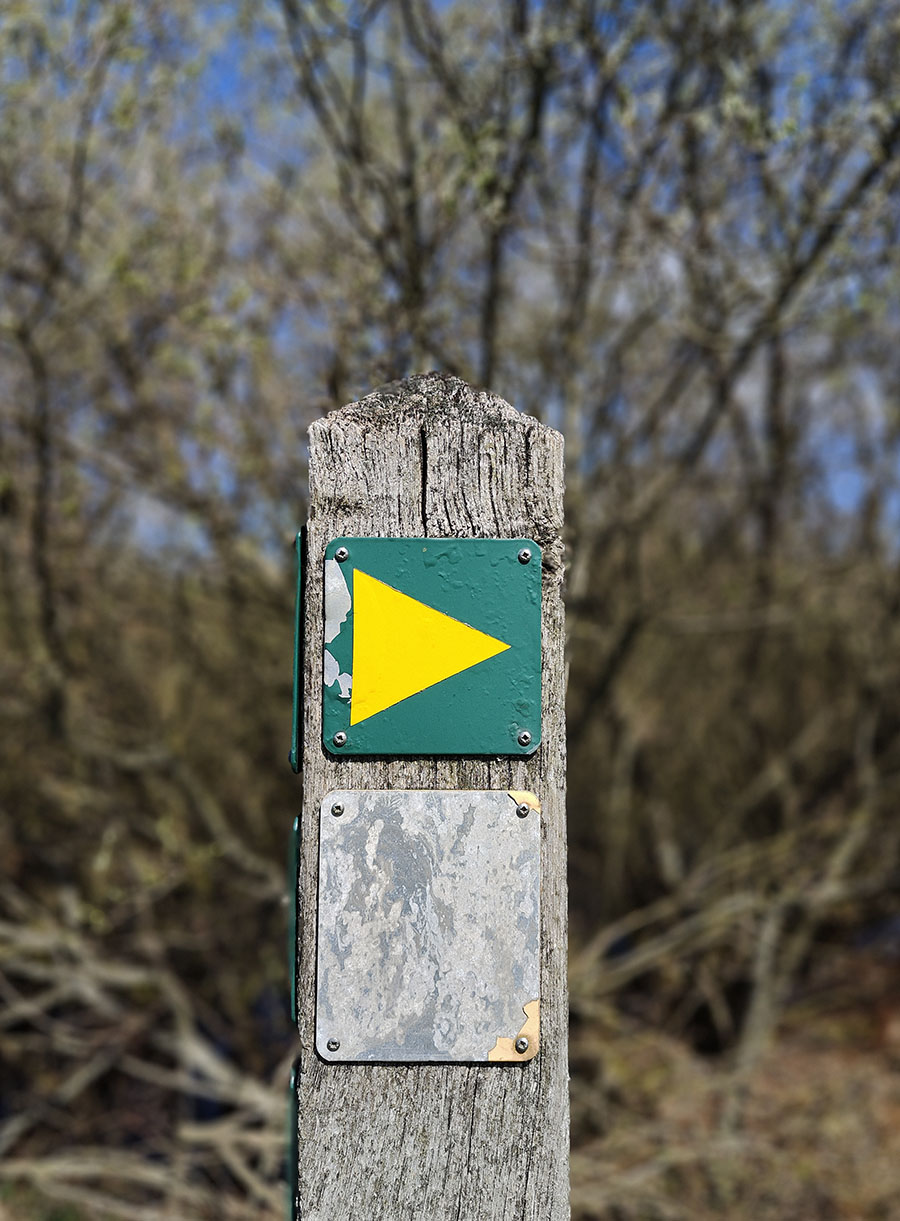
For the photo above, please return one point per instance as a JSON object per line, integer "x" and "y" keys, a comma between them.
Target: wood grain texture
{"x": 430, "y": 456}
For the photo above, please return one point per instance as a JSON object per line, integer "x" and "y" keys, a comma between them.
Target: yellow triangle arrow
{"x": 401, "y": 646}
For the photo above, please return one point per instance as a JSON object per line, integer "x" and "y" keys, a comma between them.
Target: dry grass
{"x": 818, "y": 1137}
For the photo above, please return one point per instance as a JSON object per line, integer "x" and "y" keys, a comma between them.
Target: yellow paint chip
{"x": 524, "y": 797}
{"x": 505, "y": 1049}
{"x": 401, "y": 646}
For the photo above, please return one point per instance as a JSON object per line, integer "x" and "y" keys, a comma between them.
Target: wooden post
{"x": 431, "y": 456}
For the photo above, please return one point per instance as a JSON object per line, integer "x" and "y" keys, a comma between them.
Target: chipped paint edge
{"x": 504, "y": 1050}
{"x": 524, "y": 797}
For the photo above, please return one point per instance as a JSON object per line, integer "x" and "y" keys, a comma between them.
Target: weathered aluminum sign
{"x": 432, "y": 646}
{"x": 428, "y": 926}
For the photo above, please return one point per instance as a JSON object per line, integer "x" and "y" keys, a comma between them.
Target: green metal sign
{"x": 432, "y": 646}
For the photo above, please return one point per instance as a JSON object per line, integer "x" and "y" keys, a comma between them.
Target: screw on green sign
{"x": 432, "y": 646}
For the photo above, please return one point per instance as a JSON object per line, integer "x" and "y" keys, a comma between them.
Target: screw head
{"x": 333, "y": 1044}
{"x": 341, "y": 554}
{"x": 523, "y": 810}
{"x": 337, "y": 809}
{"x": 340, "y": 738}
{"x": 521, "y": 1045}
{"x": 525, "y": 555}
{"x": 524, "y": 737}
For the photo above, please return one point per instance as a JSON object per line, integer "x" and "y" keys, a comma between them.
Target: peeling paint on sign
{"x": 333, "y": 674}
{"x": 337, "y": 607}
{"x": 337, "y": 600}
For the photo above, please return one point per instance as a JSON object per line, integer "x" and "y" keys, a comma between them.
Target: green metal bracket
{"x": 292, "y": 1150}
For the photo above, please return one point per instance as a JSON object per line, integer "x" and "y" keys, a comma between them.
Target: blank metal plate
{"x": 428, "y": 926}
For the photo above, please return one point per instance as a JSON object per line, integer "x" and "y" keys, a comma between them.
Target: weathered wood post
{"x": 398, "y": 1133}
